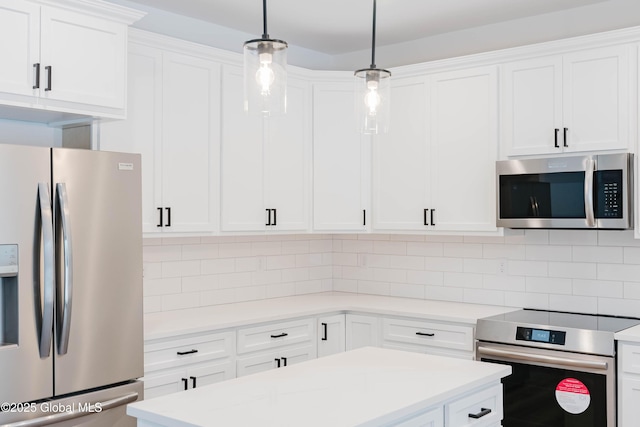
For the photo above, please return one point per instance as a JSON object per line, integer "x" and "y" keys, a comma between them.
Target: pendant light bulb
{"x": 265, "y": 73}
{"x": 373, "y": 93}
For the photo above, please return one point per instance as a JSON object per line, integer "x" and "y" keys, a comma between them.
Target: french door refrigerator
{"x": 71, "y": 343}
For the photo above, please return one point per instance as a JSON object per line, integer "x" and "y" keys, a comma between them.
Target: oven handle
{"x": 575, "y": 363}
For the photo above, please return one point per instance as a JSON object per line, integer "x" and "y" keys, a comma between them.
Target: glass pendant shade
{"x": 265, "y": 76}
{"x": 373, "y": 100}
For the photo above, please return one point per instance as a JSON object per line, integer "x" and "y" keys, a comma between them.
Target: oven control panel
{"x": 541, "y": 335}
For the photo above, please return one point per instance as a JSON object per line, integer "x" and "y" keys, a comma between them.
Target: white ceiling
{"x": 336, "y": 34}
{"x": 341, "y": 26}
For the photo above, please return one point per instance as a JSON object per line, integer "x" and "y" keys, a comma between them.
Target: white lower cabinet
{"x": 362, "y": 331}
{"x": 628, "y": 384}
{"x": 478, "y": 409}
{"x": 185, "y": 362}
{"x": 423, "y": 336}
{"x": 331, "y": 335}
{"x": 430, "y": 418}
{"x": 275, "y": 345}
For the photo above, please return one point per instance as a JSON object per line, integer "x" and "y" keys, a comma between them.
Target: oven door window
{"x": 530, "y": 397}
{"x": 542, "y": 195}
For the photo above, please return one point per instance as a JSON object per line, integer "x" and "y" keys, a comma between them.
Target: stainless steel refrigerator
{"x": 71, "y": 343}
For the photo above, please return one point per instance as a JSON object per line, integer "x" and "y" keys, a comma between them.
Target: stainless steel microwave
{"x": 592, "y": 192}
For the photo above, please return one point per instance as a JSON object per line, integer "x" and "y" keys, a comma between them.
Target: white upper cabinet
{"x": 401, "y": 175}
{"x": 174, "y": 117}
{"x": 265, "y": 161}
{"x": 567, "y": 103}
{"x": 340, "y": 161}
{"x": 464, "y": 149}
{"x": 68, "y": 59}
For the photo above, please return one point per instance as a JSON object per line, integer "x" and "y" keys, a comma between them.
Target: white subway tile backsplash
{"x": 574, "y": 270}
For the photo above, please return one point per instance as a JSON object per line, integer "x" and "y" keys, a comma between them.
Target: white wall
{"x": 581, "y": 271}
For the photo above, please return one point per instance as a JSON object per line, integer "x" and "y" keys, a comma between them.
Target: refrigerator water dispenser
{"x": 8, "y": 295}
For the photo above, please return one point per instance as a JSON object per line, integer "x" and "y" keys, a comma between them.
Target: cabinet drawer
{"x": 430, "y": 418}
{"x": 172, "y": 380}
{"x": 167, "y": 353}
{"x": 630, "y": 358}
{"x": 426, "y": 333}
{"x": 275, "y": 335}
{"x": 265, "y": 361}
{"x": 489, "y": 400}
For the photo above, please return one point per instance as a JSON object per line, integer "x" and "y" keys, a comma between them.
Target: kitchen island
{"x": 364, "y": 387}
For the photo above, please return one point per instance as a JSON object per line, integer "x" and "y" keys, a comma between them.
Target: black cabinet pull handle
{"x": 482, "y": 413}
{"x": 565, "y": 137}
{"x": 432, "y": 216}
{"x": 160, "y": 222}
{"x": 278, "y": 363}
{"x": 275, "y": 218}
{"x": 49, "y": 74}
{"x": 182, "y": 353}
{"x": 284, "y": 334}
{"x": 193, "y": 382}
{"x": 364, "y": 217}
{"x": 284, "y": 361}
{"x": 425, "y": 334}
{"x": 555, "y": 139}
{"x": 186, "y": 383}
{"x": 324, "y": 328}
{"x": 424, "y": 219}
{"x": 268, "y": 217}
{"x": 36, "y": 67}
{"x": 168, "y": 217}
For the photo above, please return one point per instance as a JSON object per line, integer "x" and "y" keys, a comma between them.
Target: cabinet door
{"x": 243, "y": 207}
{"x": 265, "y": 361}
{"x": 532, "y": 106}
{"x": 87, "y": 58}
{"x": 287, "y": 162}
{"x": 331, "y": 335}
{"x": 362, "y": 331}
{"x": 464, "y": 135}
{"x": 596, "y": 99}
{"x": 140, "y": 132}
{"x": 190, "y": 143}
{"x": 338, "y": 160}
{"x": 20, "y": 49}
{"x": 211, "y": 373}
{"x": 400, "y": 160}
{"x": 629, "y": 410}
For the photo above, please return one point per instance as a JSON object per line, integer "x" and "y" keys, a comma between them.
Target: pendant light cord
{"x": 265, "y": 34}
{"x": 373, "y": 37}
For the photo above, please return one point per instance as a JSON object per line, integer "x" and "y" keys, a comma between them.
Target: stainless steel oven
{"x": 564, "y": 366}
{"x": 593, "y": 191}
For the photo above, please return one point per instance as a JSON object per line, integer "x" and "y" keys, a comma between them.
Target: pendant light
{"x": 373, "y": 93}
{"x": 265, "y": 73}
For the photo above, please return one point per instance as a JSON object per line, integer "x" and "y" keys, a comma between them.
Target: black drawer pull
{"x": 324, "y": 331}
{"x": 284, "y": 361}
{"x": 425, "y": 334}
{"x": 182, "y": 353}
{"x": 36, "y": 68}
{"x": 49, "y": 73}
{"x": 284, "y": 334}
{"x": 555, "y": 138}
{"x": 566, "y": 144}
{"x": 278, "y": 362}
{"x": 186, "y": 383}
{"x": 193, "y": 383}
{"x": 482, "y": 413}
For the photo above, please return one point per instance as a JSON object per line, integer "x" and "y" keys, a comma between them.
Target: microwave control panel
{"x": 608, "y": 187}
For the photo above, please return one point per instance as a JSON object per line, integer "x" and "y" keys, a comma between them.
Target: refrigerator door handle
{"x": 46, "y": 221}
{"x": 64, "y": 323}
{"x": 64, "y": 416}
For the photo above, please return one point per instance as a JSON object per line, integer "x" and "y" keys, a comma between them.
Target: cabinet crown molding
{"x": 98, "y": 8}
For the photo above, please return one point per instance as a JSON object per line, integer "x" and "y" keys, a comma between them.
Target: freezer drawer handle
{"x": 182, "y": 353}
{"x": 425, "y": 334}
{"x": 482, "y": 413}
{"x": 284, "y": 334}
{"x": 65, "y": 416}
{"x": 46, "y": 222}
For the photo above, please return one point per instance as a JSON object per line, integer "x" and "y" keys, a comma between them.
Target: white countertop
{"x": 362, "y": 387}
{"x": 630, "y": 335}
{"x": 171, "y": 323}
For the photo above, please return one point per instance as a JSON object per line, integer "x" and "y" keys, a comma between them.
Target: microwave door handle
{"x": 65, "y": 323}
{"x": 588, "y": 193}
{"x": 46, "y": 222}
